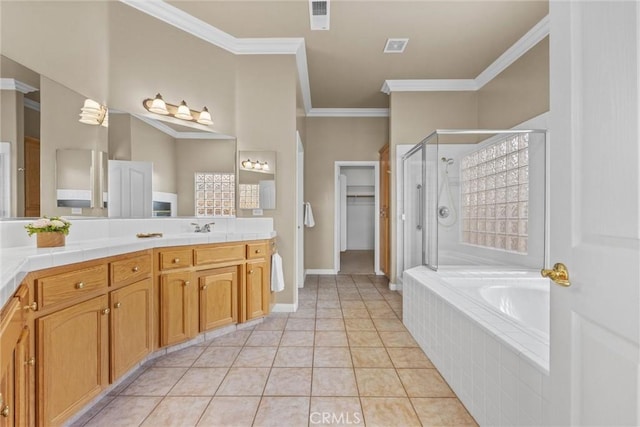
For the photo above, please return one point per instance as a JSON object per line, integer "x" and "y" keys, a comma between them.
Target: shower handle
{"x": 419, "y": 188}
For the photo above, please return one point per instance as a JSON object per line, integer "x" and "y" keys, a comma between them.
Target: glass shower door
{"x": 413, "y": 177}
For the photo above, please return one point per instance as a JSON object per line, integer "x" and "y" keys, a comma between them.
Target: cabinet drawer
{"x": 131, "y": 269}
{"x": 219, "y": 254}
{"x": 175, "y": 258}
{"x": 257, "y": 250}
{"x": 67, "y": 286}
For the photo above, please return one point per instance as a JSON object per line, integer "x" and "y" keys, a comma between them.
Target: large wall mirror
{"x": 44, "y": 135}
{"x": 257, "y": 179}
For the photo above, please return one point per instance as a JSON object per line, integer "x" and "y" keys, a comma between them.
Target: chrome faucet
{"x": 204, "y": 229}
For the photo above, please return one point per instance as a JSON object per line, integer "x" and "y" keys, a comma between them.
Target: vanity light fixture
{"x": 182, "y": 111}
{"x": 92, "y": 113}
{"x": 248, "y": 164}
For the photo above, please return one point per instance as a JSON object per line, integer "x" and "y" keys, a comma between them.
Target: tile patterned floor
{"x": 344, "y": 358}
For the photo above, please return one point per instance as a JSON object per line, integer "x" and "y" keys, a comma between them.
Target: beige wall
{"x": 61, "y": 129}
{"x": 119, "y": 136}
{"x": 150, "y": 145}
{"x": 266, "y": 120}
{"x": 11, "y": 69}
{"x": 198, "y": 155}
{"x": 331, "y": 139}
{"x": 518, "y": 93}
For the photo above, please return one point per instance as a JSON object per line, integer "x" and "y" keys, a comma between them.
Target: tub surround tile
{"x": 177, "y": 411}
{"x": 227, "y": 411}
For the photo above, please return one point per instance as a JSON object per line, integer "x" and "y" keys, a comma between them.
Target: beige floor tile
{"x": 289, "y": 382}
{"x": 370, "y": 357}
{"x": 336, "y": 411}
{"x": 305, "y": 313}
{"x": 424, "y": 383}
{"x": 255, "y": 357}
{"x": 177, "y": 411}
{"x": 304, "y": 304}
{"x": 332, "y": 357}
{"x": 329, "y": 325}
{"x": 382, "y": 313}
{"x": 398, "y": 339}
{"x": 272, "y": 324}
{"x": 217, "y": 357}
{"x": 364, "y": 339}
{"x": 387, "y": 325}
{"x": 353, "y": 304}
{"x": 409, "y": 357}
{"x": 329, "y": 303}
{"x": 386, "y": 412}
{"x": 155, "y": 382}
{"x": 377, "y": 304}
{"x": 292, "y": 357}
{"x": 125, "y": 411}
{"x": 297, "y": 338}
{"x": 331, "y": 338}
{"x": 359, "y": 325}
{"x": 199, "y": 382}
{"x": 294, "y": 324}
{"x": 180, "y": 358}
{"x": 379, "y": 382}
{"x": 371, "y": 296}
{"x": 234, "y": 339}
{"x": 264, "y": 339}
{"x": 334, "y": 382}
{"x": 329, "y": 313}
{"x": 355, "y": 313}
{"x": 282, "y": 411}
{"x": 442, "y": 412}
{"x": 244, "y": 382}
{"x": 93, "y": 411}
{"x": 226, "y": 411}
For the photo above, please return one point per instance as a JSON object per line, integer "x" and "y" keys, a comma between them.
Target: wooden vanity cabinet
{"x": 257, "y": 288}
{"x": 218, "y": 297}
{"x": 178, "y": 307}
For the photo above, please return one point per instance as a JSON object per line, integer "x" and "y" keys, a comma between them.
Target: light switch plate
{"x": 76, "y": 211}
{"x": 257, "y": 212}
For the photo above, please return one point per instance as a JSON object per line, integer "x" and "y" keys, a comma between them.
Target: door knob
{"x": 559, "y": 274}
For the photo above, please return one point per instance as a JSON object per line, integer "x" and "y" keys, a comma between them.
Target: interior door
{"x": 385, "y": 221}
{"x": 31, "y": 177}
{"x": 595, "y": 192}
{"x": 300, "y": 273}
{"x": 130, "y": 189}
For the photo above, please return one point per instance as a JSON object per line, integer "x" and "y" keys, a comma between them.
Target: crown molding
{"x": 348, "y": 112}
{"x": 154, "y": 122}
{"x": 17, "y": 85}
{"x": 511, "y": 55}
{"x": 31, "y": 104}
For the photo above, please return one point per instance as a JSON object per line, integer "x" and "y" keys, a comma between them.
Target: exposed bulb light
{"x": 247, "y": 164}
{"x": 257, "y": 166}
{"x": 265, "y": 166}
{"x": 92, "y": 113}
{"x": 205, "y": 117}
{"x": 158, "y": 106}
{"x": 184, "y": 112}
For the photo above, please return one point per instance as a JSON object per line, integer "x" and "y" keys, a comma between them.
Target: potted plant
{"x": 50, "y": 232}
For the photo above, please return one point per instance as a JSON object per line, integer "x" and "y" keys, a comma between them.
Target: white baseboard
{"x": 284, "y": 308}
{"x": 321, "y": 271}
{"x": 395, "y": 287}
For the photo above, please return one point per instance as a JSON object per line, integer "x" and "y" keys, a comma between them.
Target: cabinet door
{"x": 72, "y": 359}
{"x": 178, "y": 310}
{"x": 257, "y": 289}
{"x": 23, "y": 371}
{"x": 218, "y": 297}
{"x": 130, "y": 326}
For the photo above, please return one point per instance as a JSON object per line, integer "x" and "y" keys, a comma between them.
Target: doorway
{"x": 357, "y": 224}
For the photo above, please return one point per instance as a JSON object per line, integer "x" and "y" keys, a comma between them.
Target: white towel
{"x": 308, "y": 216}
{"x": 277, "y": 276}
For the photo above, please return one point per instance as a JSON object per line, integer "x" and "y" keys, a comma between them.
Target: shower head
{"x": 447, "y": 161}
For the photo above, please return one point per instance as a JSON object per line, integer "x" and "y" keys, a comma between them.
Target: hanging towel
{"x": 277, "y": 276}
{"x": 308, "y": 216}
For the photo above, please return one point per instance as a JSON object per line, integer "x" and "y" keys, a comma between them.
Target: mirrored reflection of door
{"x": 130, "y": 194}
{"x": 31, "y": 177}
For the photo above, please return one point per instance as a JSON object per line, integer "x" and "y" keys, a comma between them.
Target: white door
{"x": 343, "y": 213}
{"x": 595, "y": 192}
{"x": 300, "y": 273}
{"x": 130, "y": 188}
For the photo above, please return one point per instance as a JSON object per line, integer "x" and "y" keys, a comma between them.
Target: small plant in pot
{"x": 50, "y": 232}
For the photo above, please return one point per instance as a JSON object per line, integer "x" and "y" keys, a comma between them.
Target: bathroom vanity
{"x": 70, "y": 332}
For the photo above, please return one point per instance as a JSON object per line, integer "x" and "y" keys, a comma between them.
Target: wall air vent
{"x": 319, "y": 14}
{"x": 395, "y": 45}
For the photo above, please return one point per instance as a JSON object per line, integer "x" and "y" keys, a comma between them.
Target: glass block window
{"x": 495, "y": 195}
{"x": 249, "y": 196}
{"x": 215, "y": 194}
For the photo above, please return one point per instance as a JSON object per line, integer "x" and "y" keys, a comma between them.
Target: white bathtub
{"x": 487, "y": 332}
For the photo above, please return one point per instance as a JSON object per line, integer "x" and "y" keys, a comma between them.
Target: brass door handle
{"x": 203, "y": 287}
{"x": 33, "y": 306}
{"x": 258, "y": 251}
{"x": 31, "y": 361}
{"x": 176, "y": 260}
{"x": 79, "y": 285}
{"x": 117, "y": 305}
{"x": 186, "y": 283}
{"x": 559, "y": 274}
{"x": 106, "y": 311}
{"x": 135, "y": 269}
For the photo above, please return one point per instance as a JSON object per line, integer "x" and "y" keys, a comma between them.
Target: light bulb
{"x": 205, "y": 117}
{"x": 184, "y": 112}
{"x": 158, "y": 106}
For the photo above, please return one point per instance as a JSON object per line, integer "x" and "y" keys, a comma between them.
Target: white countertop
{"x": 16, "y": 262}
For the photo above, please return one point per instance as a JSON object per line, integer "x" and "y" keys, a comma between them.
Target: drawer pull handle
{"x": 31, "y": 361}
{"x": 250, "y": 271}
{"x": 79, "y": 285}
{"x": 117, "y": 305}
{"x": 5, "y": 411}
{"x": 176, "y": 260}
{"x": 203, "y": 287}
{"x": 258, "y": 251}
{"x": 186, "y": 283}
{"x": 135, "y": 269}
{"x": 106, "y": 311}
{"x": 33, "y": 306}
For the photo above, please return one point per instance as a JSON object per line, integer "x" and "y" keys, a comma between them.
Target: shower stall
{"x": 475, "y": 197}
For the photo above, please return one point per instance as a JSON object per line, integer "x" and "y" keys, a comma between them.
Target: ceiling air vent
{"x": 319, "y": 14}
{"x": 395, "y": 45}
